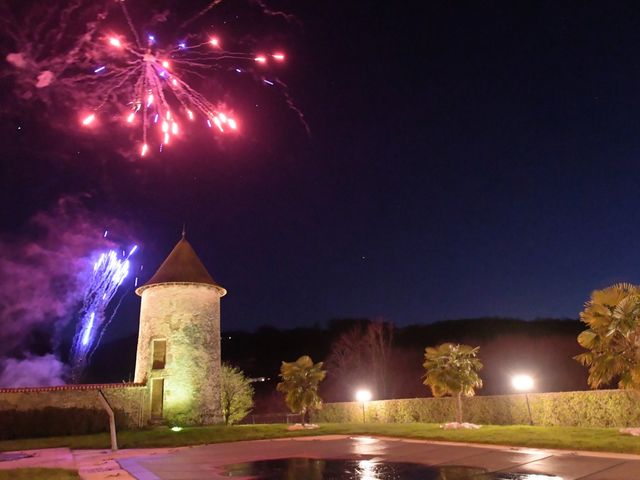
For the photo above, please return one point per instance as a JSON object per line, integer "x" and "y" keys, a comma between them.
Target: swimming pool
{"x": 339, "y": 469}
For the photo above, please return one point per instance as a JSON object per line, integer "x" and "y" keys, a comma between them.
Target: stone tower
{"x": 179, "y": 341}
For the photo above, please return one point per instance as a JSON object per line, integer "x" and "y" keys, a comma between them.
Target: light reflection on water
{"x": 367, "y": 470}
{"x": 329, "y": 469}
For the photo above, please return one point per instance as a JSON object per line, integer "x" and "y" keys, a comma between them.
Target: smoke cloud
{"x": 32, "y": 371}
{"x": 45, "y": 78}
{"x": 17, "y": 60}
{"x": 276, "y": 13}
{"x": 42, "y": 275}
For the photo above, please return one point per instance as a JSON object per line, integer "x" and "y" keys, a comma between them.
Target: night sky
{"x": 464, "y": 160}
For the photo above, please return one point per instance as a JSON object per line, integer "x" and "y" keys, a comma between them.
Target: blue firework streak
{"x": 109, "y": 272}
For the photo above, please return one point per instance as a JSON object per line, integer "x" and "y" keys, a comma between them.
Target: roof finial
{"x": 184, "y": 229}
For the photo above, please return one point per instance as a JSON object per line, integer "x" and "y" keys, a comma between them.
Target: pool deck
{"x": 204, "y": 462}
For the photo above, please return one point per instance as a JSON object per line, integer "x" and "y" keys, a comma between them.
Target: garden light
{"x": 524, "y": 383}
{"x": 176, "y": 429}
{"x": 363, "y": 396}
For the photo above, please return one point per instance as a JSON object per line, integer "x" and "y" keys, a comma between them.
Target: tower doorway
{"x": 157, "y": 396}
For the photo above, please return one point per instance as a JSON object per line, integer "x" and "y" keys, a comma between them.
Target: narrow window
{"x": 159, "y": 350}
{"x": 157, "y": 394}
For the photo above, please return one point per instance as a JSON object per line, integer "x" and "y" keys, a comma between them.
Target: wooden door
{"x": 157, "y": 394}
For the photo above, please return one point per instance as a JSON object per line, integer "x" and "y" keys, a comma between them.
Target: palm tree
{"x": 300, "y": 380}
{"x": 613, "y": 336}
{"x": 452, "y": 369}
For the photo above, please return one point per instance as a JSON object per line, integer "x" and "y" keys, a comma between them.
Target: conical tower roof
{"x": 182, "y": 266}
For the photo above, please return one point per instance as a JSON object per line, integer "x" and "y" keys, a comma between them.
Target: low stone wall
{"x": 128, "y": 400}
{"x": 596, "y": 408}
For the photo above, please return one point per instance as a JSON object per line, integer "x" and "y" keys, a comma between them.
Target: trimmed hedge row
{"x": 50, "y": 421}
{"x": 597, "y": 408}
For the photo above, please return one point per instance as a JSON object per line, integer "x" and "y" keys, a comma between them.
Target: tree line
{"x": 387, "y": 360}
{"x": 611, "y": 344}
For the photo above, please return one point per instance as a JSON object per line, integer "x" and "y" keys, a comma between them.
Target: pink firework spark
{"x": 160, "y": 88}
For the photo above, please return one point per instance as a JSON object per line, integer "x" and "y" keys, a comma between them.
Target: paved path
{"x": 90, "y": 464}
{"x": 205, "y": 462}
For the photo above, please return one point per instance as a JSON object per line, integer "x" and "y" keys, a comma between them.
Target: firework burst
{"x": 130, "y": 75}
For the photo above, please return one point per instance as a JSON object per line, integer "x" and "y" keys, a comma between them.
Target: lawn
{"x": 571, "y": 438}
{"x": 38, "y": 473}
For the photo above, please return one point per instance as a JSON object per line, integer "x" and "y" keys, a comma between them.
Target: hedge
{"x": 50, "y": 421}
{"x": 597, "y": 408}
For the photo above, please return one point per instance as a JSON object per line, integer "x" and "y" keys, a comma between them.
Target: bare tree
{"x": 379, "y": 338}
{"x": 362, "y": 356}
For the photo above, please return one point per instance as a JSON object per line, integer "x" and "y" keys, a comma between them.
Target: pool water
{"x": 327, "y": 469}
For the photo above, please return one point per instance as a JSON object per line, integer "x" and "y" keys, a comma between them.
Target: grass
{"x": 38, "y": 473}
{"x": 569, "y": 438}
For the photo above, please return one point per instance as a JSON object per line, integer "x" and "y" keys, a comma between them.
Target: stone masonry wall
{"x": 128, "y": 398}
{"x": 187, "y": 316}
